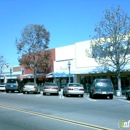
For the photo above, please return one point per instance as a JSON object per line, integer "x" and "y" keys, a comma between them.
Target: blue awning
{"x": 62, "y": 74}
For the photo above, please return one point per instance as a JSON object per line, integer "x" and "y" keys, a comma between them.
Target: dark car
{"x": 13, "y": 85}
{"x": 124, "y": 90}
{"x": 128, "y": 94}
{"x": 102, "y": 87}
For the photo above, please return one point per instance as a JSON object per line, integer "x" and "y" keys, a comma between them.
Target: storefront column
{"x": 76, "y": 79}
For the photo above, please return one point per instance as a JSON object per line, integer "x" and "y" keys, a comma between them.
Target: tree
{"x": 3, "y": 64}
{"x": 111, "y": 45}
{"x": 33, "y": 46}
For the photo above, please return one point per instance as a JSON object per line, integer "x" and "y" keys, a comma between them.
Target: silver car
{"x": 31, "y": 87}
{"x": 73, "y": 89}
{"x": 50, "y": 88}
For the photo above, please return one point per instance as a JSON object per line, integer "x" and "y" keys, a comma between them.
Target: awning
{"x": 62, "y": 74}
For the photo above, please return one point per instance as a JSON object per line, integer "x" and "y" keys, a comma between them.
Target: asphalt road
{"x": 37, "y": 112}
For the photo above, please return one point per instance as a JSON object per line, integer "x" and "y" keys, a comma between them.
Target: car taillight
{"x": 70, "y": 88}
{"x": 81, "y": 89}
{"x": 54, "y": 88}
{"x": 35, "y": 87}
{"x": 17, "y": 85}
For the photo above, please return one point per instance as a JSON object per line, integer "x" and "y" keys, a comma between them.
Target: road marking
{"x": 39, "y": 95}
{"x": 96, "y": 127}
{"x": 20, "y": 94}
{"x": 123, "y": 100}
{"x": 89, "y": 99}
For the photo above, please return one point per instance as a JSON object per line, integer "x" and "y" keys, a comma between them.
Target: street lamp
{"x": 69, "y": 64}
{"x": 11, "y": 72}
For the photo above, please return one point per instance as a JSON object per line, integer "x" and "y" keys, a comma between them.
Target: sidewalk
{"x": 120, "y": 97}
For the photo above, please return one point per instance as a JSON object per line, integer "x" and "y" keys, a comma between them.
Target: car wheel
{"x": 23, "y": 92}
{"x": 44, "y": 93}
{"x": 127, "y": 96}
{"x": 111, "y": 96}
{"x": 12, "y": 91}
{"x": 90, "y": 95}
{"x": 82, "y": 95}
{"x": 93, "y": 96}
{"x": 7, "y": 91}
{"x": 66, "y": 95}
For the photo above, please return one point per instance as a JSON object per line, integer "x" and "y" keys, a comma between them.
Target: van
{"x": 102, "y": 87}
{"x": 13, "y": 85}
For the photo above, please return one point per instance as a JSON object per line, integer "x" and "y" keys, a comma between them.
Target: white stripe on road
{"x": 124, "y": 100}
{"x": 89, "y": 99}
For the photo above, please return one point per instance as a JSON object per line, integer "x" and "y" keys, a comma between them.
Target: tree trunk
{"x": 119, "y": 81}
{"x": 35, "y": 72}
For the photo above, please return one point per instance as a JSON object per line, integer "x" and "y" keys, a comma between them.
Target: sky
{"x": 68, "y": 21}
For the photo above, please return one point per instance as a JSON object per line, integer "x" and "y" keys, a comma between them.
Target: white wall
{"x": 65, "y": 52}
{"x": 76, "y": 55}
{"x": 63, "y": 55}
{"x": 62, "y": 66}
{"x": 82, "y": 61}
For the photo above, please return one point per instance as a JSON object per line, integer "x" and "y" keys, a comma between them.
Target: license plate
{"x": 103, "y": 92}
{"x": 76, "y": 89}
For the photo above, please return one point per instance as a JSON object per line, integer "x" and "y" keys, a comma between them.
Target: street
{"x": 35, "y": 111}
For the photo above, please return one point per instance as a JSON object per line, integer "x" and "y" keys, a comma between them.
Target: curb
{"x": 120, "y": 97}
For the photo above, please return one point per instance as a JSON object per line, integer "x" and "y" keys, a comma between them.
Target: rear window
{"x": 51, "y": 84}
{"x": 30, "y": 83}
{"x": 75, "y": 85}
{"x": 103, "y": 81}
{"x": 11, "y": 81}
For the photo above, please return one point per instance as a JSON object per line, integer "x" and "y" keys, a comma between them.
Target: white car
{"x": 73, "y": 89}
{"x": 51, "y": 88}
{"x": 31, "y": 87}
{"x": 2, "y": 86}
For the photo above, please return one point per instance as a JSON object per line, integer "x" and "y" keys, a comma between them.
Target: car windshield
{"x": 75, "y": 85}
{"x": 50, "y": 84}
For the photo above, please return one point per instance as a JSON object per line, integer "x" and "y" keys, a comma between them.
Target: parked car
{"x": 101, "y": 87}
{"x": 2, "y": 86}
{"x": 50, "y": 88}
{"x": 31, "y": 87}
{"x": 13, "y": 85}
{"x": 73, "y": 89}
{"x": 128, "y": 94}
{"x": 124, "y": 90}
